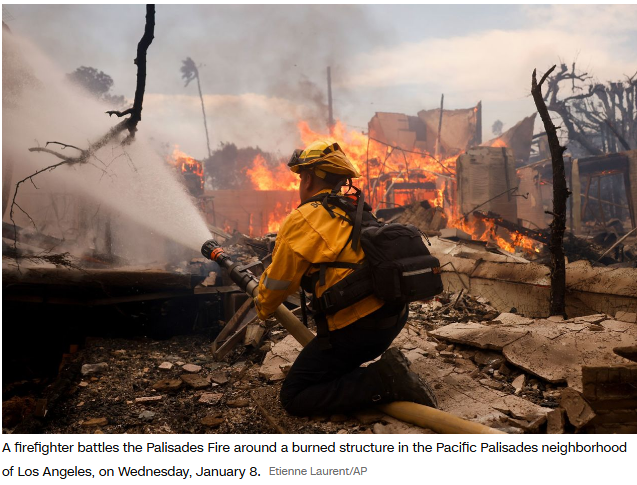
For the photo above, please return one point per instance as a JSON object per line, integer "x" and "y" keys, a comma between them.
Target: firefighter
{"x": 327, "y": 376}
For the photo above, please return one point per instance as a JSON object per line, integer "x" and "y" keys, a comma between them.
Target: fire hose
{"x": 424, "y": 416}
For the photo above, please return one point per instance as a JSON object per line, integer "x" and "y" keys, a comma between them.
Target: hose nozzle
{"x": 211, "y": 249}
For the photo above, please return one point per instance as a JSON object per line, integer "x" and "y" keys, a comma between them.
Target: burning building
{"x": 190, "y": 170}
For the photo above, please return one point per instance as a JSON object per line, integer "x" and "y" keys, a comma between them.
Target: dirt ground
{"x": 175, "y": 386}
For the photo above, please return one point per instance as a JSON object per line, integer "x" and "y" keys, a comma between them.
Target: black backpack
{"x": 398, "y": 267}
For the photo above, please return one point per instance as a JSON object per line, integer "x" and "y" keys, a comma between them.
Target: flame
{"x": 187, "y": 164}
{"x": 486, "y": 230}
{"x": 277, "y": 216}
{"x": 440, "y": 198}
{"x": 383, "y": 169}
{"x": 499, "y": 143}
{"x": 264, "y": 178}
{"x": 381, "y": 165}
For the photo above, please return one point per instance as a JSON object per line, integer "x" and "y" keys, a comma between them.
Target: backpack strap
{"x": 358, "y": 221}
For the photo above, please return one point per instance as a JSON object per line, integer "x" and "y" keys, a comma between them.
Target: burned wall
{"x": 250, "y": 212}
{"x": 486, "y": 177}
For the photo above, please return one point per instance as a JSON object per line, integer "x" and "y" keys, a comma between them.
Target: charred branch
{"x": 64, "y": 145}
{"x": 140, "y": 62}
{"x": 120, "y": 114}
{"x": 560, "y": 195}
{"x": 587, "y": 107}
{"x": 541, "y": 236}
{"x": 129, "y": 124}
{"x": 616, "y": 133}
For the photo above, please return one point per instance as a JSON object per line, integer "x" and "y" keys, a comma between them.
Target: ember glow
{"x": 187, "y": 165}
{"x": 486, "y": 230}
{"x": 499, "y": 143}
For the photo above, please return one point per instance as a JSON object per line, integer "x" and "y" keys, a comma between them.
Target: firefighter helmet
{"x": 324, "y": 157}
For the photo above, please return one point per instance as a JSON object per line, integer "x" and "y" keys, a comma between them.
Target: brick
{"x": 626, "y": 374}
{"x": 619, "y": 416}
{"x": 602, "y": 374}
{"x": 615, "y": 428}
{"x": 590, "y": 391}
{"x": 614, "y": 375}
{"x": 612, "y": 404}
{"x": 589, "y": 375}
{"x": 616, "y": 391}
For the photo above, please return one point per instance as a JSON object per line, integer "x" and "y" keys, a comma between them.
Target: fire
{"x": 188, "y": 165}
{"x": 384, "y": 167}
{"x": 440, "y": 198}
{"x": 276, "y": 217}
{"x": 486, "y": 230}
{"x": 499, "y": 143}
{"x": 264, "y": 178}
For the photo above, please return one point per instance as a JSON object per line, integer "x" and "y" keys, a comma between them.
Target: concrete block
{"x": 626, "y": 317}
{"x": 577, "y": 409}
{"x": 555, "y": 421}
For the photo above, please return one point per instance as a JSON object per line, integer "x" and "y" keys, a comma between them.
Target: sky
{"x": 263, "y": 68}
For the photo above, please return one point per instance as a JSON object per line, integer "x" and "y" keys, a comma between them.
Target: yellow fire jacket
{"x": 309, "y": 235}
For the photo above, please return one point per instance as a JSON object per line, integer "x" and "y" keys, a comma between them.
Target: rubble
{"x": 555, "y": 421}
{"x": 518, "y": 383}
{"x": 626, "y": 317}
{"x": 167, "y": 385}
{"x": 210, "y": 398}
{"x": 282, "y": 354}
{"x": 146, "y": 415}
{"x": 430, "y": 220}
{"x": 191, "y": 368}
{"x": 95, "y": 422}
{"x": 195, "y": 381}
{"x": 212, "y": 421}
{"x": 577, "y": 409}
{"x": 556, "y": 351}
{"x": 148, "y": 399}
{"x": 88, "y": 369}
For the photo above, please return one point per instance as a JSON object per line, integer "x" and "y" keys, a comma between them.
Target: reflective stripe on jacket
{"x": 309, "y": 235}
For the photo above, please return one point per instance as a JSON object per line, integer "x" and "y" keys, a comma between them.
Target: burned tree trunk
{"x": 140, "y": 61}
{"x": 560, "y": 195}
{"x": 129, "y": 124}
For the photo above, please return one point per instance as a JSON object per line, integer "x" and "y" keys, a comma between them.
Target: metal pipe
{"x": 249, "y": 283}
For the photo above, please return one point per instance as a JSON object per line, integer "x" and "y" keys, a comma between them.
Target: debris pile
{"x": 430, "y": 220}
{"x": 452, "y": 307}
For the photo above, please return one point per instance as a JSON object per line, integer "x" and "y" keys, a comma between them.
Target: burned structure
{"x": 157, "y": 339}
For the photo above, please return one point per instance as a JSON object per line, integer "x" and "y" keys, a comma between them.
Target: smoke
{"x": 125, "y": 195}
{"x": 281, "y": 52}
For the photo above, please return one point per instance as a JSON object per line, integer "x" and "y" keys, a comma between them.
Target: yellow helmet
{"x": 324, "y": 157}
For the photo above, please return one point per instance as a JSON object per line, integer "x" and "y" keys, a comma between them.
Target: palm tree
{"x": 189, "y": 72}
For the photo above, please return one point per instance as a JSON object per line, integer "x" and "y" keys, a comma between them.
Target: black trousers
{"x": 332, "y": 381}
